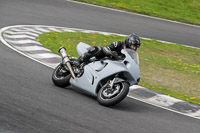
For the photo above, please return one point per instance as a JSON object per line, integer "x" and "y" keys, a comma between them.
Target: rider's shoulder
{"x": 117, "y": 43}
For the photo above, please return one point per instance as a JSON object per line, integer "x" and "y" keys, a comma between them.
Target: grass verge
{"x": 171, "y": 69}
{"x": 187, "y": 11}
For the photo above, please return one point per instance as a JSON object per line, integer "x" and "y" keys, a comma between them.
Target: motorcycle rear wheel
{"x": 61, "y": 76}
{"x": 111, "y": 96}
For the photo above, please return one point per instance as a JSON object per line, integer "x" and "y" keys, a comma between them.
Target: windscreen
{"x": 134, "y": 55}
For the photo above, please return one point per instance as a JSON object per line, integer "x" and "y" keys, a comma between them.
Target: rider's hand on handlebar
{"x": 114, "y": 55}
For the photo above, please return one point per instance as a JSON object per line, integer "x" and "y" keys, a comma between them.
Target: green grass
{"x": 171, "y": 69}
{"x": 187, "y": 11}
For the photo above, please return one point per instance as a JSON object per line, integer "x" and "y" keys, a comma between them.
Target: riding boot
{"x": 83, "y": 58}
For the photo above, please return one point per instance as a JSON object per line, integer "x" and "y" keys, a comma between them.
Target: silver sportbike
{"x": 107, "y": 79}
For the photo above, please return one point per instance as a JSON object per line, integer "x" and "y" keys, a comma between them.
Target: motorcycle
{"x": 107, "y": 79}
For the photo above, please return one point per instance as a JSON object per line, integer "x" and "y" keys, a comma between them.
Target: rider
{"x": 112, "y": 50}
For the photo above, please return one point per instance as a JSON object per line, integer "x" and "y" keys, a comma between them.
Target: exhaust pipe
{"x": 66, "y": 61}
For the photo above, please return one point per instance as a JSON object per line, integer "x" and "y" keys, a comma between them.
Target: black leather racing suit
{"x": 112, "y": 50}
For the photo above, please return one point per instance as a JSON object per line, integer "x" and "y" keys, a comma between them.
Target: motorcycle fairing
{"x": 94, "y": 76}
{"x": 95, "y": 72}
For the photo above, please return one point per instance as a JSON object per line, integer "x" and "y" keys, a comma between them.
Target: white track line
{"x": 23, "y": 41}
{"x": 197, "y": 114}
{"x": 133, "y": 13}
{"x": 43, "y": 30}
{"x": 46, "y": 55}
{"x": 53, "y": 66}
{"x": 74, "y": 30}
{"x": 163, "y": 100}
{"x": 135, "y": 87}
{"x": 18, "y": 30}
{"x": 31, "y": 48}
{"x": 32, "y": 30}
{"x": 26, "y": 32}
{"x": 54, "y": 29}
{"x": 100, "y": 32}
{"x": 18, "y": 36}
{"x": 68, "y": 30}
{"x": 139, "y": 15}
{"x": 8, "y": 45}
{"x": 193, "y": 115}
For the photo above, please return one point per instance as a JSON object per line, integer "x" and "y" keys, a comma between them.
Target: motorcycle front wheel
{"x": 61, "y": 76}
{"x": 108, "y": 96}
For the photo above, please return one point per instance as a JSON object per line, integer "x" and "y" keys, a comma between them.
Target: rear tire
{"x": 61, "y": 76}
{"x": 109, "y": 97}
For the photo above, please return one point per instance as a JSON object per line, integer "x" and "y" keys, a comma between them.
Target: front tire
{"x": 111, "y": 96}
{"x": 61, "y": 76}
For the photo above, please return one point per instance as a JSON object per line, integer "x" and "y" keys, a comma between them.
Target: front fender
{"x": 117, "y": 80}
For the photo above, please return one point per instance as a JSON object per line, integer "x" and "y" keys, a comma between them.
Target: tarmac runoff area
{"x": 21, "y": 38}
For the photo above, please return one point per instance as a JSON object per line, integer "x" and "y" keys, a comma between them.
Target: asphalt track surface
{"x": 29, "y": 102}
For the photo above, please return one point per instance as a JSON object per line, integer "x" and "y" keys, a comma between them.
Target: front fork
{"x": 112, "y": 83}
{"x": 115, "y": 80}
{"x": 66, "y": 61}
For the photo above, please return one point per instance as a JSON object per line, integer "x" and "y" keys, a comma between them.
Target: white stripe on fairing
{"x": 54, "y": 29}
{"x": 18, "y": 36}
{"x": 46, "y": 55}
{"x": 22, "y": 41}
{"x": 42, "y": 29}
{"x": 163, "y": 100}
{"x": 19, "y": 33}
{"x": 31, "y": 48}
